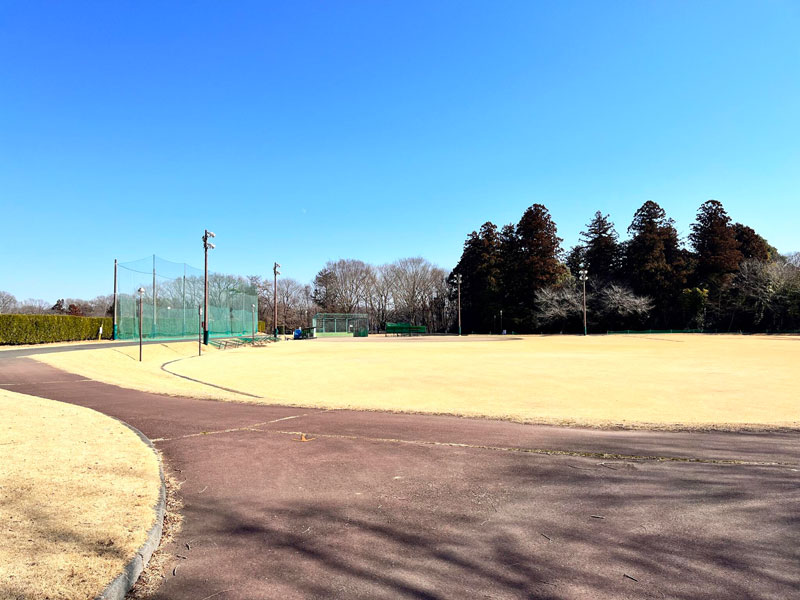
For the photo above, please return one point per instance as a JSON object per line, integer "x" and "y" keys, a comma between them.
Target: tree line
{"x": 101, "y": 306}
{"x": 409, "y": 289}
{"x": 724, "y": 277}
{"x": 728, "y": 277}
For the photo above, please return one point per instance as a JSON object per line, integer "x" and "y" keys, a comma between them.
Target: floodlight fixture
{"x": 206, "y": 247}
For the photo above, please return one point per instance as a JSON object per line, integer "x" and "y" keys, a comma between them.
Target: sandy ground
{"x": 653, "y": 380}
{"x": 77, "y": 491}
{"x": 9, "y": 347}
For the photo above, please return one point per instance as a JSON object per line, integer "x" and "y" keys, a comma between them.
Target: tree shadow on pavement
{"x": 564, "y": 528}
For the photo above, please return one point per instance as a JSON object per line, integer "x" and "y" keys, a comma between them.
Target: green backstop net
{"x": 172, "y": 294}
{"x": 355, "y": 324}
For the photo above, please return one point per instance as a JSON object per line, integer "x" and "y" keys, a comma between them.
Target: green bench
{"x": 405, "y": 329}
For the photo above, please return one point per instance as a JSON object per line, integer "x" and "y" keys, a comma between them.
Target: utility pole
{"x": 206, "y": 247}
{"x": 276, "y": 272}
{"x": 458, "y": 280}
{"x": 583, "y": 275}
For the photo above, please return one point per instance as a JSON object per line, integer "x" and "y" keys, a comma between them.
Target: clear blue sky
{"x": 307, "y": 131}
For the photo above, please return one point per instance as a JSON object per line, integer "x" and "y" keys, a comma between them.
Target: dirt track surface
{"x": 405, "y": 506}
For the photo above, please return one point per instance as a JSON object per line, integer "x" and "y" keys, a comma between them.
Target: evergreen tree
{"x": 537, "y": 249}
{"x": 655, "y": 264}
{"x": 575, "y": 258}
{"x": 714, "y": 241}
{"x": 601, "y": 249}
{"x": 752, "y": 245}
{"x": 479, "y": 267}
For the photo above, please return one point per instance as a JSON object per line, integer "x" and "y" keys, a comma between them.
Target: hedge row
{"x": 39, "y": 329}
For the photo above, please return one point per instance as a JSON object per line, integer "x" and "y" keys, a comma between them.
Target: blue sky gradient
{"x": 303, "y": 132}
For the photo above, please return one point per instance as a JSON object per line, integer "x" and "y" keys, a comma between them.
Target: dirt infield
{"x": 77, "y": 491}
{"x": 382, "y": 505}
{"x": 652, "y": 381}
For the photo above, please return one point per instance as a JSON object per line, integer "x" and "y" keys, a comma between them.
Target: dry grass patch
{"x": 693, "y": 381}
{"x": 77, "y": 491}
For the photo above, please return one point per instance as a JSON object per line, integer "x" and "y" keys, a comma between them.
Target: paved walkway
{"x": 405, "y": 506}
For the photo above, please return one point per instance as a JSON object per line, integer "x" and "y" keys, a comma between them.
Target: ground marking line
{"x": 219, "y": 387}
{"x": 548, "y": 452}
{"x": 231, "y": 430}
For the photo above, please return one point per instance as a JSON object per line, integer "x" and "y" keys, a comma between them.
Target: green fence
{"x": 656, "y": 331}
{"x": 172, "y": 294}
{"x": 341, "y": 324}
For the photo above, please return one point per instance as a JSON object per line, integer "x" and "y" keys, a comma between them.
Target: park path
{"x": 382, "y": 505}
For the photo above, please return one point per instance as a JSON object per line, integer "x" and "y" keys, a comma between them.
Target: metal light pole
{"x": 458, "y": 280}
{"x": 199, "y": 330}
{"x": 254, "y": 320}
{"x": 501, "y": 321}
{"x": 141, "y": 302}
{"x": 276, "y": 272}
{"x": 155, "y": 314}
{"x": 115, "y": 331}
{"x": 206, "y": 247}
{"x": 583, "y": 275}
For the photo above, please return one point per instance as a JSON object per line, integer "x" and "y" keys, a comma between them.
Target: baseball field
{"x": 654, "y": 381}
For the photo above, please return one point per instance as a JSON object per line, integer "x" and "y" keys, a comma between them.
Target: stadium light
{"x": 458, "y": 280}
{"x": 141, "y": 302}
{"x": 583, "y": 275}
{"x": 206, "y": 247}
{"x": 276, "y": 272}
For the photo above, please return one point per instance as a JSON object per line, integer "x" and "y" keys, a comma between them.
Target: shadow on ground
{"x": 549, "y": 527}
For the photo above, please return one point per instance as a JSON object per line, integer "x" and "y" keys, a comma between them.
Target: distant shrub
{"x": 40, "y": 329}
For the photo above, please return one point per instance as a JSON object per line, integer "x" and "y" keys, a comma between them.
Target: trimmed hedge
{"x": 40, "y": 329}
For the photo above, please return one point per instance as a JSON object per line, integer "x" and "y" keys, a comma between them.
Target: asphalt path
{"x": 380, "y": 505}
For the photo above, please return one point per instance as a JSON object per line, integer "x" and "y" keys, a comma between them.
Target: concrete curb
{"x": 123, "y": 582}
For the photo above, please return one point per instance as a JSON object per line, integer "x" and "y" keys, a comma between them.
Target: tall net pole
{"x": 154, "y": 296}
{"x": 276, "y": 272}
{"x": 114, "y": 328}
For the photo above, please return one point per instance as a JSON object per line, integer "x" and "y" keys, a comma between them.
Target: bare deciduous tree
{"x": 621, "y": 301}
{"x": 8, "y": 302}
{"x": 558, "y": 305}
{"x": 342, "y": 286}
{"x": 34, "y": 306}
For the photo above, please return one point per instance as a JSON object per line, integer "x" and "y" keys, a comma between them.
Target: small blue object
{"x": 298, "y": 334}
